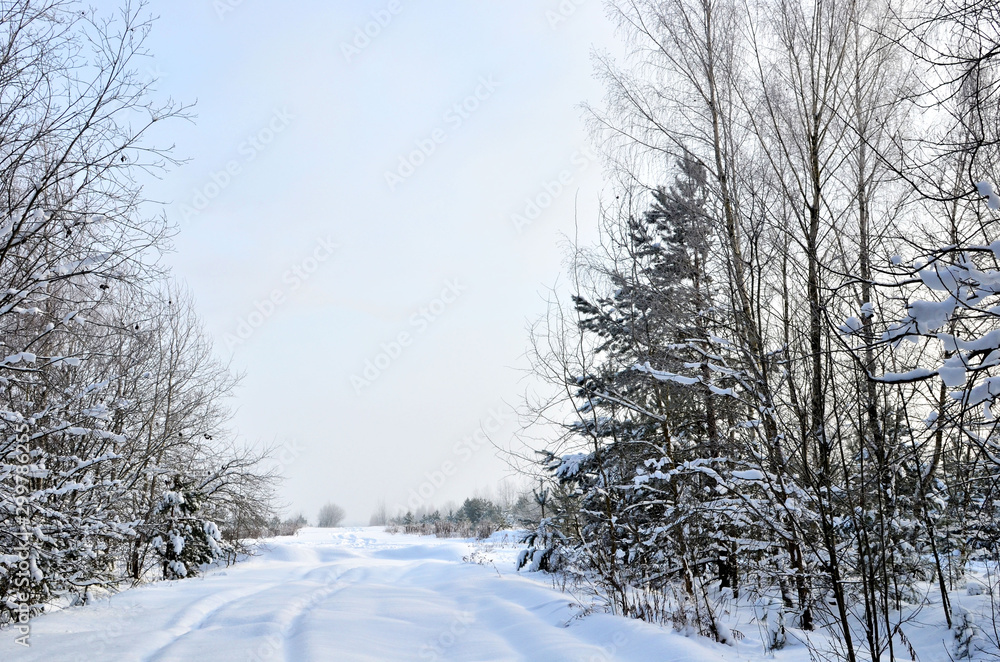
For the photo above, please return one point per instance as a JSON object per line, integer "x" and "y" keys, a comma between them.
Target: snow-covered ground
{"x": 363, "y": 594}
{"x": 353, "y": 594}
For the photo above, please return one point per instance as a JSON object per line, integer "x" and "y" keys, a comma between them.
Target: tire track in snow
{"x": 291, "y": 631}
{"x": 287, "y": 620}
{"x": 194, "y": 617}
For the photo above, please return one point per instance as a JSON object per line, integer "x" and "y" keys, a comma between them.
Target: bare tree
{"x": 380, "y": 517}
{"x": 114, "y": 412}
{"x": 330, "y": 516}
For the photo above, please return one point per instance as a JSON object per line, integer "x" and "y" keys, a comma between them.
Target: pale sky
{"x": 308, "y": 261}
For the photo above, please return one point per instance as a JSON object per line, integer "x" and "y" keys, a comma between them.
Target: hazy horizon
{"x": 368, "y": 223}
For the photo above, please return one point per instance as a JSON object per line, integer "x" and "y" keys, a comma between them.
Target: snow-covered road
{"x": 350, "y": 594}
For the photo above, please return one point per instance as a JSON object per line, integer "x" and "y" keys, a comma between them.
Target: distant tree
{"x": 478, "y": 510}
{"x": 381, "y": 515}
{"x": 291, "y": 525}
{"x": 330, "y": 515}
{"x": 275, "y": 526}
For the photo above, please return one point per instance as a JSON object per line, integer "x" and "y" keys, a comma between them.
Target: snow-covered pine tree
{"x": 184, "y": 539}
{"x": 641, "y": 506}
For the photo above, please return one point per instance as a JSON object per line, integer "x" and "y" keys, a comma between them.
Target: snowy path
{"x": 350, "y": 594}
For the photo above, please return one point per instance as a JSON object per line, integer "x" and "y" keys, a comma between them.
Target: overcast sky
{"x": 360, "y": 202}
